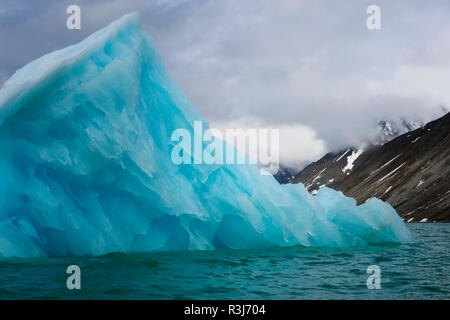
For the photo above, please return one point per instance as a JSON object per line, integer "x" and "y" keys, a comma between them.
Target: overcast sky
{"x": 310, "y": 68}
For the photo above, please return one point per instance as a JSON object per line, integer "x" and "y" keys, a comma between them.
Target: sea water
{"x": 420, "y": 270}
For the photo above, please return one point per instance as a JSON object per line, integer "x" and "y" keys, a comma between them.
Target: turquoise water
{"x": 417, "y": 271}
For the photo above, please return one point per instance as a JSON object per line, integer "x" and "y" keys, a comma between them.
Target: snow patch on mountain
{"x": 351, "y": 159}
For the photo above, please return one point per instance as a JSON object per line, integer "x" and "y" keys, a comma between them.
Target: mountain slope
{"x": 284, "y": 175}
{"x": 324, "y": 171}
{"x": 339, "y": 163}
{"x": 389, "y": 129}
{"x": 411, "y": 172}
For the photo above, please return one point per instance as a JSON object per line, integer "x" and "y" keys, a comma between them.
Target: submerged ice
{"x": 85, "y": 146}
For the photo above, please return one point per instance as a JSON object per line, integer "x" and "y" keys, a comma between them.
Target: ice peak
{"x": 29, "y": 77}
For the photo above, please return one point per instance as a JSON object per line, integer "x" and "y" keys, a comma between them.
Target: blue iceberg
{"x": 85, "y": 161}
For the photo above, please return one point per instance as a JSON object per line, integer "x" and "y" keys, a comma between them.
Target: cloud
{"x": 311, "y": 66}
{"x": 297, "y": 145}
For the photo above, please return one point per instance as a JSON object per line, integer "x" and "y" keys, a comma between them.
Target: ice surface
{"x": 86, "y": 169}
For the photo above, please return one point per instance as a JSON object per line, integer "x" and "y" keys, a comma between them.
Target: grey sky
{"x": 310, "y": 67}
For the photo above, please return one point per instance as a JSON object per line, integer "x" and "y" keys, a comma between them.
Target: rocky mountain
{"x": 339, "y": 163}
{"x": 331, "y": 167}
{"x": 285, "y": 175}
{"x": 411, "y": 172}
{"x": 388, "y": 129}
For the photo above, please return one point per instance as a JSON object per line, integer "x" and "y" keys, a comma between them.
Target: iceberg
{"x": 85, "y": 161}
